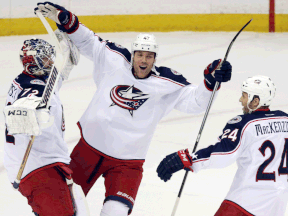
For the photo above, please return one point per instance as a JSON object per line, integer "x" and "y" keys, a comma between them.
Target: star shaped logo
{"x": 128, "y": 97}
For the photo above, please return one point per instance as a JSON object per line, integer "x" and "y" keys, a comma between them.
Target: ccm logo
{"x": 183, "y": 155}
{"x": 17, "y": 112}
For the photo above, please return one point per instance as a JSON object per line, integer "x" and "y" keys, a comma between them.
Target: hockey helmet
{"x": 37, "y": 57}
{"x": 145, "y": 42}
{"x": 261, "y": 86}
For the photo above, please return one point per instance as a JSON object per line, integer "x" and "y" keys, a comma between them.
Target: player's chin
{"x": 142, "y": 73}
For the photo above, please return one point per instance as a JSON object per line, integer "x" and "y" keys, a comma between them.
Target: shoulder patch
{"x": 175, "y": 72}
{"x": 37, "y": 82}
{"x": 235, "y": 120}
{"x": 172, "y": 75}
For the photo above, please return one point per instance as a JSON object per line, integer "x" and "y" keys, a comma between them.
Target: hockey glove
{"x": 217, "y": 71}
{"x": 173, "y": 163}
{"x": 23, "y": 118}
{"x": 65, "y": 20}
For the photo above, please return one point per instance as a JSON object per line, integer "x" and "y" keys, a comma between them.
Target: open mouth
{"x": 143, "y": 67}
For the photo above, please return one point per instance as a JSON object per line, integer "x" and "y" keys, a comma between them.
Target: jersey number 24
{"x": 282, "y": 170}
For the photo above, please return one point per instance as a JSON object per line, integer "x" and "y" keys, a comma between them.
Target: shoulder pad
{"x": 119, "y": 49}
{"x": 172, "y": 75}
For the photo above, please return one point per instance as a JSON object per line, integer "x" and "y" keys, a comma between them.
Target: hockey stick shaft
{"x": 55, "y": 74}
{"x": 47, "y": 94}
{"x": 23, "y": 164}
{"x": 204, "y": 119}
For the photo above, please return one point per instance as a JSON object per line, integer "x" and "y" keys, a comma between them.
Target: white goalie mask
{"x": 261, "y": 86}
{"x": 145, "y": 42}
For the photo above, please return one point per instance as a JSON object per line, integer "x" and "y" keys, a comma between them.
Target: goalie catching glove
{"x": 69, "y": 51}
{"x": 173, "y": 163}
{"x": 22, "y": 117}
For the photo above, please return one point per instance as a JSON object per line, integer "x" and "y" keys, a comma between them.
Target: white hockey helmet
{"x": 261, "y": 86}
{"x": 145, "y": 42}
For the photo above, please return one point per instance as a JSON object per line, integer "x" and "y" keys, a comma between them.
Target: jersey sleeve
{"x": 193, "y": 99}
{"x": 223, "y": 153}
{"x": 105, "y": 54}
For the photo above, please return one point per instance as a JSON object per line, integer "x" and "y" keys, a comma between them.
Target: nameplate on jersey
{"x": 271, "y": 127}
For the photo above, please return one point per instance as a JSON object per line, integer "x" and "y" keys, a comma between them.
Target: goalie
{"x": 46, "y": 180}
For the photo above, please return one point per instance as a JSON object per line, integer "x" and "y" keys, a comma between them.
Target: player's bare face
{"x": 244, "y": 100}
{"x": 143, "y": 63}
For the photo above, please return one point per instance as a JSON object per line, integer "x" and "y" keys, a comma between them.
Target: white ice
{"x": 188, "y": 53}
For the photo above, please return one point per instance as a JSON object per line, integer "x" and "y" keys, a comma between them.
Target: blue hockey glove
{"x": 223, "y": 74}
{"x": 65, "y": 20}
{"x": 173, "y": 163}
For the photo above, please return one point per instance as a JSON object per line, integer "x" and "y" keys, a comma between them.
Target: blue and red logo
{"x": 128, "y": 97}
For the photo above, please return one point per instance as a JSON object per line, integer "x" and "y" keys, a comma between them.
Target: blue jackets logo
{"x": 128, "y": 97}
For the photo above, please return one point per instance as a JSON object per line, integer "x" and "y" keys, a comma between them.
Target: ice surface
{"x": 188, "y": 53}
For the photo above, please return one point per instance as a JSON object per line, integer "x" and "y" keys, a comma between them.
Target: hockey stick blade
{"x": 204, "y": 120}
{"x": 228, "y": 50}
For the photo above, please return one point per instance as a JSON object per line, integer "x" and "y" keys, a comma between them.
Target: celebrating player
{"x": 43, "y": 180}
{"x": 258, "y": 141}
{"x": 131, "y": 98}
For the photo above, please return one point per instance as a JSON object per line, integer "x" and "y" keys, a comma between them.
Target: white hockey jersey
{"x": 49, "y": 147}
{"x": 122, "y": 116}
{"x": 259, "y": 144}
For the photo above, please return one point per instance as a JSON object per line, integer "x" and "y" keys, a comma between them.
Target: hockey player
{"x": 43, "y": 181}
{"x": 258, "y": 141}
{"x": 131, "y": 98}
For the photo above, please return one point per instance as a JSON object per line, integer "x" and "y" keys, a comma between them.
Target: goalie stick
{"x": 204, "y": 119}
{"x": 47, "y": 94}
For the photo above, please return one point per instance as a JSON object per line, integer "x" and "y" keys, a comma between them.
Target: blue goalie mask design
{"x": 37, "y": 57}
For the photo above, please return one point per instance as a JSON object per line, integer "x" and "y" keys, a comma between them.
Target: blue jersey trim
{"x": 120, "y": 50}
{"x": 172, "y": 75}
{"x": 26, "y": 82}
{"x": 228, "y": 145}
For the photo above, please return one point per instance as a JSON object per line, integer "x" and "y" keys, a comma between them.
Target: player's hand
{"x": 217, "y": 71}
{"x": 65, "y": 20}
{"x": 173, "y": 163}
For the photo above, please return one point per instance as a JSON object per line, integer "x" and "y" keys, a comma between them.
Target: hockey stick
{"x": 204, "y": 119}
{"x": 47, "y": 94}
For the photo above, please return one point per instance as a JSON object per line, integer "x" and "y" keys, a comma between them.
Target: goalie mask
{"x": 37, "y": 57}
{"x": 261, "y": 86}
{"x": 145, "y": 42}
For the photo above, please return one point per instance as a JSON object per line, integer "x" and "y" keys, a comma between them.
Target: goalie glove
{"x": 173, "y": 163}
{"x": 70, "y": 53}
{"x": 65, "y": 20}
{"x": 23, "y": 118}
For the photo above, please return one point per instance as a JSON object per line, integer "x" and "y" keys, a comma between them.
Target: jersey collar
{"x": 261, "y": 111}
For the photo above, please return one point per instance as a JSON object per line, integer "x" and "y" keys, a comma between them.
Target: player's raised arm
{"x": 194, "y": 99}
